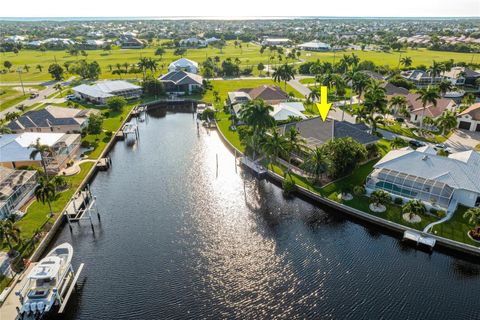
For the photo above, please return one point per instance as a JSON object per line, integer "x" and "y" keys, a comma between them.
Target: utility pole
{"x": 21, "y": 81}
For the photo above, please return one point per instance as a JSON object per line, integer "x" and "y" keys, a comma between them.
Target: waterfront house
{"x": 181, "y": 82}
{"x": 436, "y": 180}
{"x": 460, "y": 76}
{"x": 469, "y": 119}
{"x": 316, "y": 132}
{"x": 15, "y": 149}
{"x": 314, "y": 45}
{"x": 52, "y": 119}
{"x": 268, "y": 93}
{"x": 421, "y": 78}
{"x": 99, "y": 92}
{"x": 237, "y": 98}
{"x": 16, "y": 188}
{"x": 183, "y": 64}
{"x": 287, "y": 110}
{"x": 415, "y": 107}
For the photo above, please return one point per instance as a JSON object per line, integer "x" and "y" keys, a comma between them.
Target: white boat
{"x": 46, "y": 281}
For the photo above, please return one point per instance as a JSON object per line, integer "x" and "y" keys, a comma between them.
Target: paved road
{"x": 42, "y": 94}
{"x": 295, "y": 84}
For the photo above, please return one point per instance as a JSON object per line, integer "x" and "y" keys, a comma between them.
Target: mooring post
{"x": 96, "y": 208}
{"x": 217, "y": 163}
{"x": 235, "y": 161}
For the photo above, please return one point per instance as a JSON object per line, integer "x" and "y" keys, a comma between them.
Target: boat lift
{"x": 81, "y": 207}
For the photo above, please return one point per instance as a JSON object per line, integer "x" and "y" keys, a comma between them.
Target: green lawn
{"x": 456, "y": 228}
{"x": 248, "y": 55}
{"x": 10, "y": 96}
{"x": 420, "y": 56}
{"x": 407, "y": 132}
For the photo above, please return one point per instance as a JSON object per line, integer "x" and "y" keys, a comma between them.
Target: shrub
{"x": 441, "y": 214}
{"x": 398, "y": 201}
{"x": 288, "y": 186}
{"x": 359, "y": 190}
{"x": 109, "y": 134}
{"x": 85, "y": 144}
{"x": 433, "y": 211}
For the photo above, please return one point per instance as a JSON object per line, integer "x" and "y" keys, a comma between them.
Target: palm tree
{"x": 59, "y": 88}
{"x": 295, "y": 144}
{"x": 359, "y": 83}
{"x": 9, "y": 232}
{"x": 39, "y": 67}
{"x": 274, "y": 146}
{"x": 428, "y": 95}
{"x": 444, "y": 87}
{"x": 406, "y": 61}
{"x": 143, "y": 64}
{"x": 45, "y": 192}
{"x": 375, "y": 105}
{"x": 397, "y": 103}
{"x": 11, "y": 116}
{"x": 435, "y": 70}
{"x": 59, "y": 182}
{"x": 4, "y": 129}
{"x": 414, "y": 207}
{"x": 316, "y": 163}
{"x": 398, "y": 143}
{"x": 284, "y": 73}
{"x": 447, "y": 121}
{"x": 314, "y": 95}
{"x": 126, "y": 65}
{"x": 43, "y": 150}
{"x": 473, "y": 216}
{"x": 380, "y": 198}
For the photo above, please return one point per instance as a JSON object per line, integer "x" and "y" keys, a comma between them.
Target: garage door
{"x": 478, "y": 127}
{"x": 464, "y": 125}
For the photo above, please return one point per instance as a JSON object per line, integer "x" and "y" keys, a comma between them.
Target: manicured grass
{"x": 11, "y": 96}
{"x": 224, "y": 126}
{"x": 477, "y": 147}
{"x": 407, "y": 132}
{"x": 4, "y": 281}
{"x": 420, "y": 56}
{"x": 37, "y": 213}
{"x": 456, "y": 228}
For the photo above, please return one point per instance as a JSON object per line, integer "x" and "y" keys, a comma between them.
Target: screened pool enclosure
{"x": 409, "y": 186}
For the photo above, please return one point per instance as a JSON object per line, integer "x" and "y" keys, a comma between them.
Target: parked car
{"x": 416, "y": 144}
{"x": 71, "y": 97}
{"x": 33, "y": 95}
{"x": 441, "y": 146}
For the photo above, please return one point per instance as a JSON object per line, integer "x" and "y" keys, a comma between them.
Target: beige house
{"x": 469, "y": 119}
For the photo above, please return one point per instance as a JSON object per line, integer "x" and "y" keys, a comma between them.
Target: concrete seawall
{"x": 399, "y": 229}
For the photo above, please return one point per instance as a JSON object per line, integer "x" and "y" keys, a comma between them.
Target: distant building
{"x": 130, "y": 42}
{"x": 52, "y": 119}
{"x": 373, "y": 75}
{"x": 183, "y": 64}
{"x": 436, "y": 180}
{"x": 15, "y": 149}
{"x": 181, "y": 82}
{"x": 314, "y": 45}
{"x": 415, "y": 107}
{"x": 100, "y": 92}
{"x": 16, "y": 188}
{"x": 317, "y": 132}
{"x": 276, "y": 41}
{"x": 469, "y": 119}
{"x": 193, "y": 43}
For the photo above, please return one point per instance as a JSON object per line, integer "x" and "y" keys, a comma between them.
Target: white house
{"x": 193, "y": 43}
{"x": 469, "y": 119}
{"x": 183, "y": 64}
{"x": 314, "y": 45}
{"x": 442, "y": 182}
{"x": 99, "y": 92}
{"x": 283, "y": 111}
{"x": 276, "y": 41}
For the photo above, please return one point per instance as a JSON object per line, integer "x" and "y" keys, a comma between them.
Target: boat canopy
{"x": 47, "y": 269}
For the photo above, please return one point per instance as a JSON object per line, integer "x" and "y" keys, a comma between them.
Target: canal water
{"x": 176, "y": 241}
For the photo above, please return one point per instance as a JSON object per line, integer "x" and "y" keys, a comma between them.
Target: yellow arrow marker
{"x": 323, "y": 106}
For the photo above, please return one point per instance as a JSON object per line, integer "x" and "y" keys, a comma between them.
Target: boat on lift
{"x": 46, "y": 282}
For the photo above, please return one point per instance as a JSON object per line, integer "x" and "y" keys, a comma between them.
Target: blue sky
{"x": 240, "y": 8}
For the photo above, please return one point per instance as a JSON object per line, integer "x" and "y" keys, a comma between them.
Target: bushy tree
{"x": 344, "y": 154}
{"x": 56, "y": 71}
{"x": 116, "y": 103}
{"x": 95, "y": 123}
{"x": 152, "y": 86}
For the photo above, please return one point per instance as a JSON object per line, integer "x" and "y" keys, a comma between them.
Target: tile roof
{"x": 266, "y": 92}
{"x": 473, "y": 111}
{"x": 416, "y": 106}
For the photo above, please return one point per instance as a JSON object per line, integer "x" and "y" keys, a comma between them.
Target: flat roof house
{"x": 436, "y": 180}
{"x": 15, "y": 149}
{"x": 183, "y": 64}
{"x": 181, "y": 82}
{"x": 16, "y": 188}
{"x": 469, "y": 119}
{"x": 317, "y": 132}
{"x": 99, "y": 92}
{"x": 52, "y": 119}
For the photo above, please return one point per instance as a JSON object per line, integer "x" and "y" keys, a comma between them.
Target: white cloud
{"x": 242, "y": 8}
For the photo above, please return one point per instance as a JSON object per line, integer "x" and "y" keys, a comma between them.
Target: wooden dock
{"x": 104, "y": 164}
{"x": 254, "y": 166}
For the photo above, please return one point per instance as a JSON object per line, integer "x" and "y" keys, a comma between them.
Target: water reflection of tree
{"x": 465, "y": 269}
{"x": 157, "y": 112}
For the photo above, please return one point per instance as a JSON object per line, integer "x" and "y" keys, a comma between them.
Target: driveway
{"x": 462, "y": 140}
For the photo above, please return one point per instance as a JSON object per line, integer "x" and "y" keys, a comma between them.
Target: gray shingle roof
{"x": 181, "y": 78}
